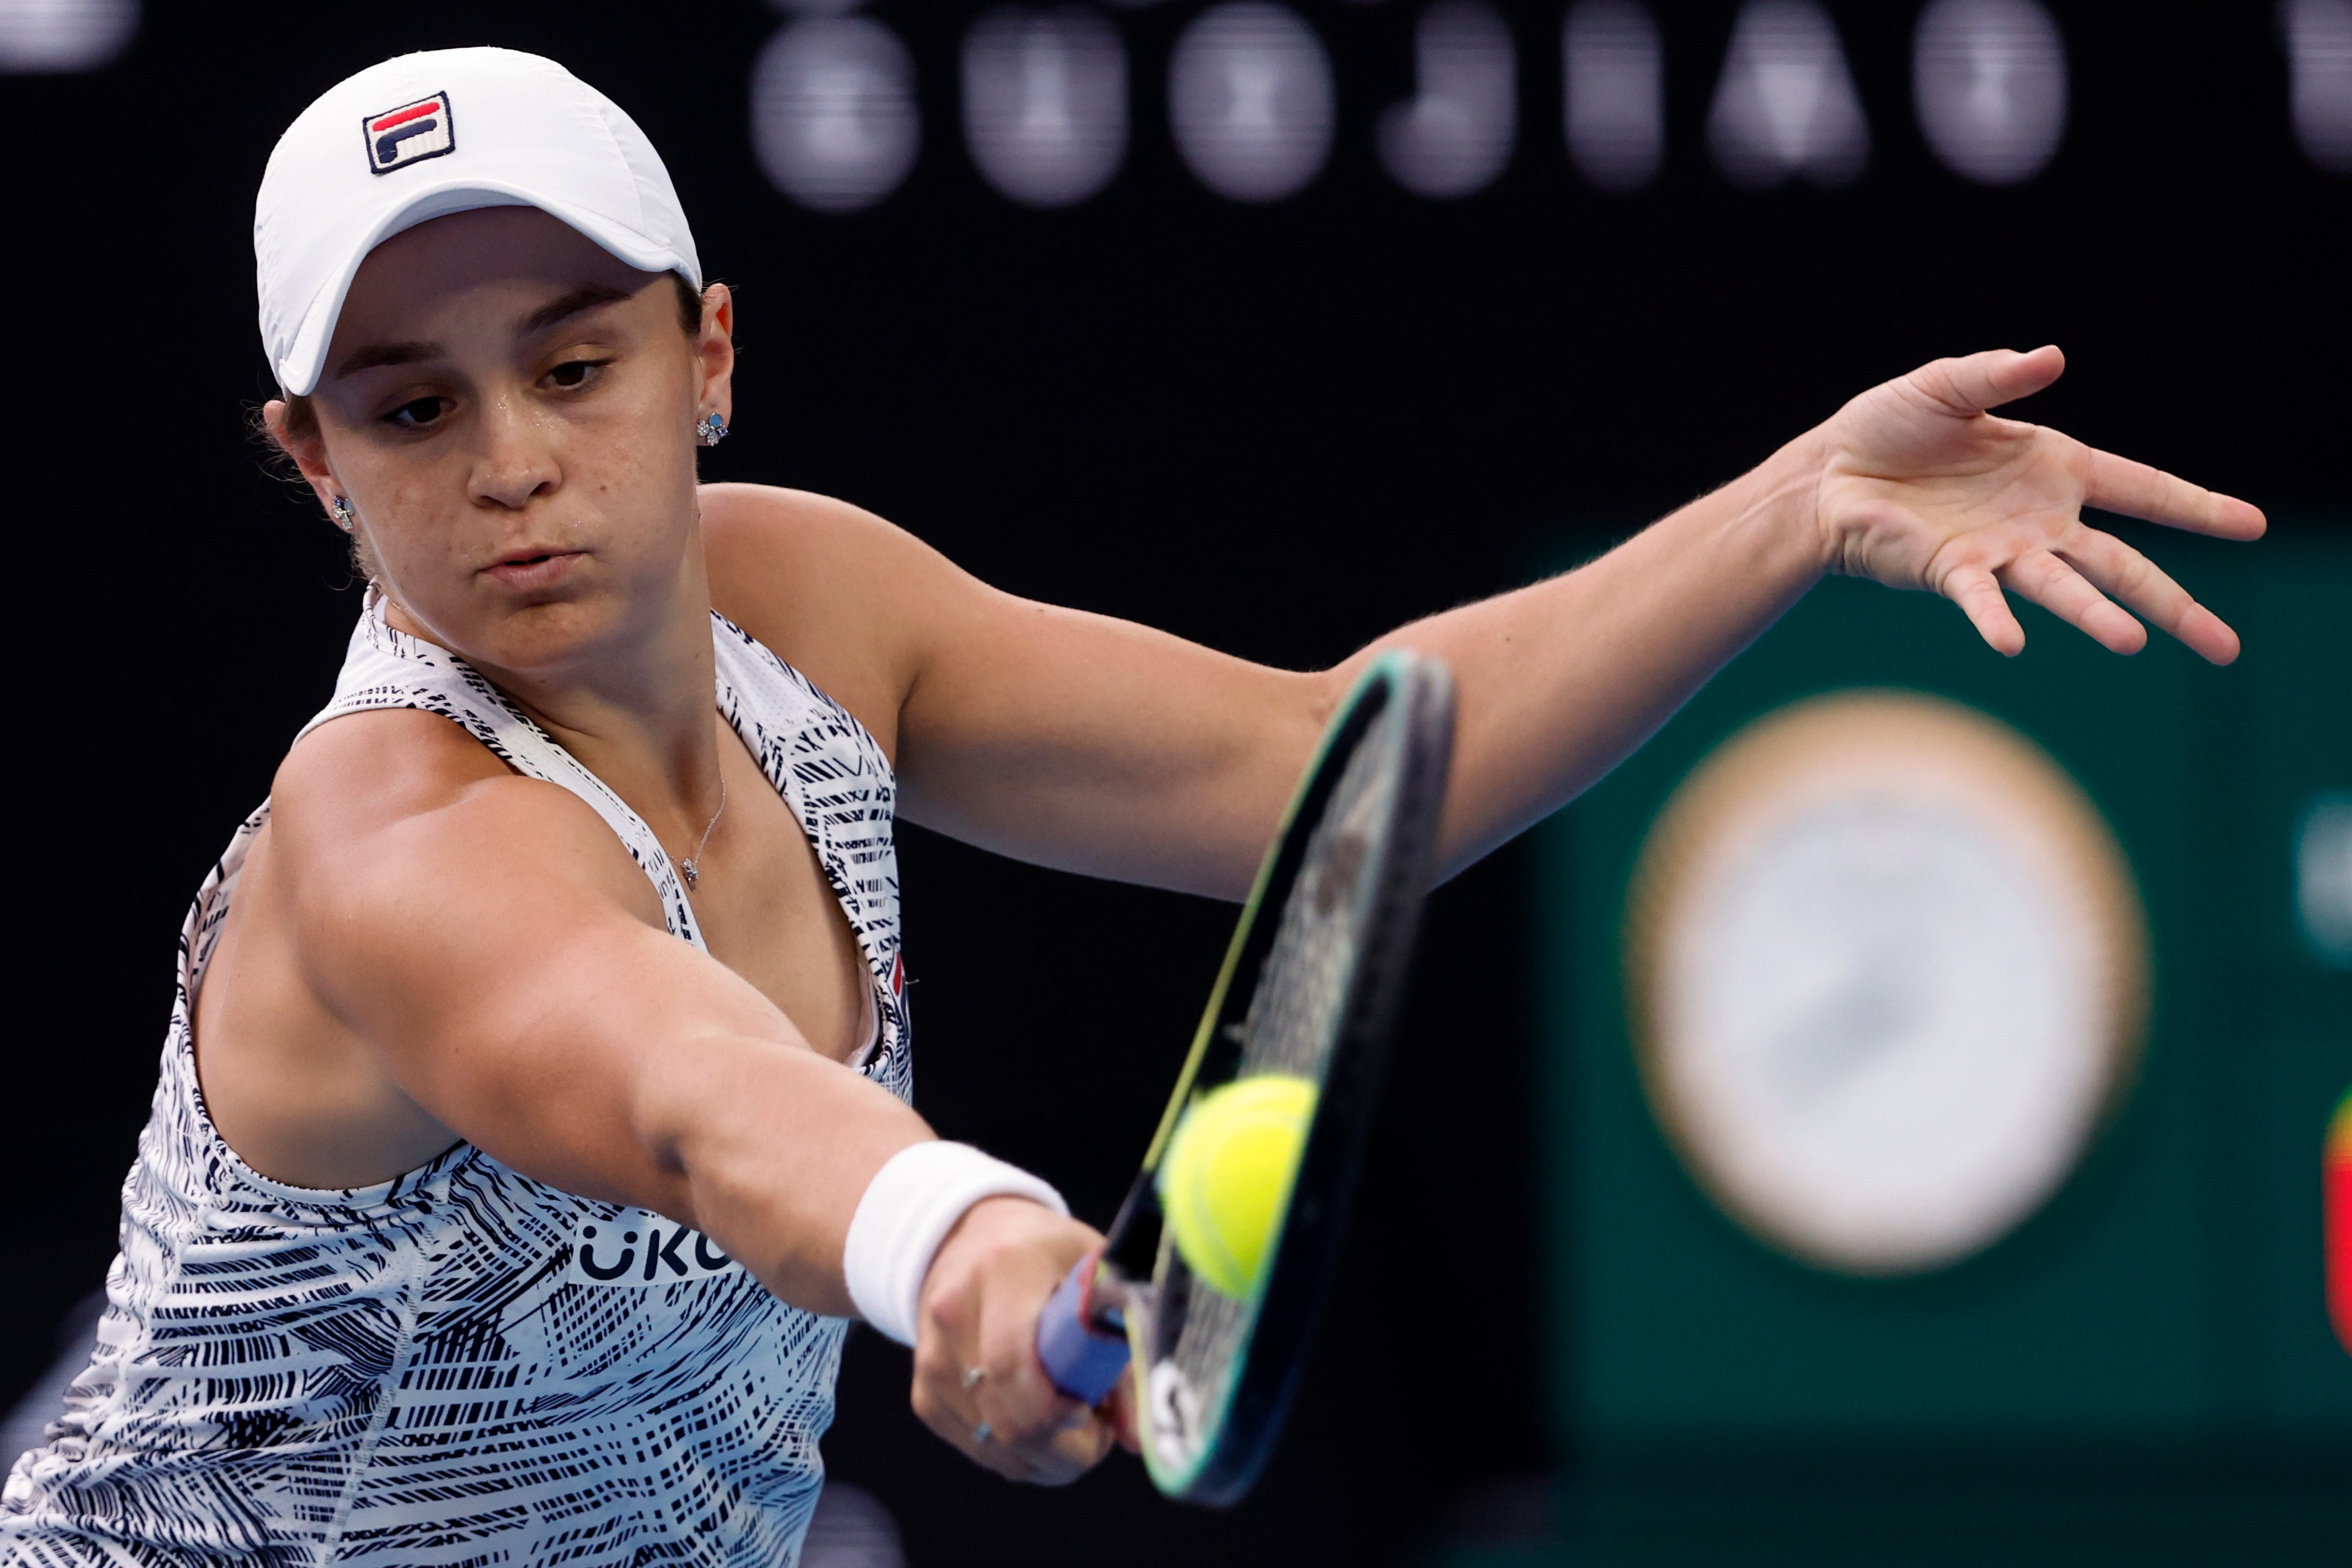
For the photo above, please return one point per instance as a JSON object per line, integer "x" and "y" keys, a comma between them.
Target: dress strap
{"x": 384, "y": 667}
{"x": 837, "y": 781}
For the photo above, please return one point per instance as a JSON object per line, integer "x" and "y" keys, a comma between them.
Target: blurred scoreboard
{"x": 1941, "y": 1054}
{"x": 1048, "y": 94}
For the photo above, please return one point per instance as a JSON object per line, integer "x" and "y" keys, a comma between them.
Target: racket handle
{"x": 1083, "y": 1361}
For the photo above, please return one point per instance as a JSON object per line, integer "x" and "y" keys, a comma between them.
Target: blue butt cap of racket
{"x": 1084, "y": 1361}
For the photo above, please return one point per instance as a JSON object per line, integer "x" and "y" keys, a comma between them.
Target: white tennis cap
{"x": 429, "y": 134}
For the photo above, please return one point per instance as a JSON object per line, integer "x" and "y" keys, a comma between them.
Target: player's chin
{"x": 547, "y": 630}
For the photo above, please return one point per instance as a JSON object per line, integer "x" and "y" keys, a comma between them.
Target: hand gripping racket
{"x": 1309, "y": 988}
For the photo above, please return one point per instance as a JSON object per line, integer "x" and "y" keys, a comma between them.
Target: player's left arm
{"x": 1096, "y": 745}
{"x": 1055, "y": 736}
{"x": 1913, "y": 484}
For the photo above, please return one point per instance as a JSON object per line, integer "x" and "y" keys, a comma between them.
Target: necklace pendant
{"x": 690, "y": 872}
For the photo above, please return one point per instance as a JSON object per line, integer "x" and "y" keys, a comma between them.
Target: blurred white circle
{"x": 1044, "y": 102}
{"x": 1250, "y": 98}
{"x": 834, "y": 119}
{"x": 39, "y": 36}
{"x": 1990, "y": 76}
{"x": 1889, "y": 967}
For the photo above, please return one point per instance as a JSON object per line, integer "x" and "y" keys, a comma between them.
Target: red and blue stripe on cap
{"x": 409, "y": 134}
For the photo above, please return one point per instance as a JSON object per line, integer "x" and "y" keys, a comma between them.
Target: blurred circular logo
{"x": 1887, "y": 971}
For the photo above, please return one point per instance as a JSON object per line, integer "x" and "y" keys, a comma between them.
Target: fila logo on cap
{"x": 409, "y": 134}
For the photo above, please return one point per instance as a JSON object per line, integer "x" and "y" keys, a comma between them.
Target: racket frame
{"x": 1258, "y": 1394}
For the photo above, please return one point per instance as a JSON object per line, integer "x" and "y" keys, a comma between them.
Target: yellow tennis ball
{"x": 1226, "y": 1176}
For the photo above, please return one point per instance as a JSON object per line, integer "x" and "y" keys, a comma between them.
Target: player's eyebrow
{"x": 373, "y": 355}
{"x": 587, "y": 296}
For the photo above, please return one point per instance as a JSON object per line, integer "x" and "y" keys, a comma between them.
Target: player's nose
{"x": 514, "y": 461}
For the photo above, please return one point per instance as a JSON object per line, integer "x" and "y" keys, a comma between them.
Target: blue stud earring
{"x": 710, "y": 429}
{"x": 344, "y": 514}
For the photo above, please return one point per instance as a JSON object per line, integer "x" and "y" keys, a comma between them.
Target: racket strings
{"x": 1292, "y": 1027}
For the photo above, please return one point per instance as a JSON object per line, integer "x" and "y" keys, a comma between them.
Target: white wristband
{"x": 910, "y": 1207}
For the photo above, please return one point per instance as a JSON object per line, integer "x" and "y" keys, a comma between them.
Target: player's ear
{"x": 714, "y": 351}
{"x": 293, "y": 429}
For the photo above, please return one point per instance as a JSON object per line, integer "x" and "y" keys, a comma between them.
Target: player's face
{"x": 511, "y": 410}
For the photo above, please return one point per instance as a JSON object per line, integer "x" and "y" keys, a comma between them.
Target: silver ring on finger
{"x": 983, "y": 1433}
{"x": 972, "y": 1376}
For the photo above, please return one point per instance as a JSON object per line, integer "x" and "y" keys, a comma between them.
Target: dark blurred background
{"x": 1279, "y": 389}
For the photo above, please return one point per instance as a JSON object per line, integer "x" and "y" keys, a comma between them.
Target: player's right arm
{"x": 498, "y": 951}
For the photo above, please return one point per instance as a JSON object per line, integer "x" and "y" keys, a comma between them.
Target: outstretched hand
{"x": 1920, "y": 486}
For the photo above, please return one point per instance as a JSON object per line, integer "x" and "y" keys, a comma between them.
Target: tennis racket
{"x": 1309, "y": 988}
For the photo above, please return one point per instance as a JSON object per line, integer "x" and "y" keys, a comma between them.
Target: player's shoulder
{"x": 387, "y": 761}
{"x": 400, "y": 792}
{"x": 828, "y": 585}
{"x": 383, "y": 762}
{"x": 758, "y": 530}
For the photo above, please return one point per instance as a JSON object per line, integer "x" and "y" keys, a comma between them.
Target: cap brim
{"x": 299, "y": 370}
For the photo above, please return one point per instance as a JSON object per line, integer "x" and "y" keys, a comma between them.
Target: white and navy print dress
{"x": 464, "y": 1365}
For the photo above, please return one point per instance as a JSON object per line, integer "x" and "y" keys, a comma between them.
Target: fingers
{"x": 2135, "y": 490}
{"x": 1057, "y": 1438}
{"x": 1972, "y": 383}
{"x": 2117, "y": 569}
{"x": 977, "y": 1382}
{"x": 2072, "y": 582}
{"x": 1125, "y": 1420}
{"x": 1017, "y": 1426}
{"x": 2060, "y": 590}
{"x": 949, "y": 1404}
{"x": 1973, "y": 589}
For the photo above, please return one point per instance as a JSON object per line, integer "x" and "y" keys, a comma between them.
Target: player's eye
{"x": 576, "y": 372}
{"x": 419, "y": 412}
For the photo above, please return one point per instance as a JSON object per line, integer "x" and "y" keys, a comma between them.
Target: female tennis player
{"x": 534, "y": 1111}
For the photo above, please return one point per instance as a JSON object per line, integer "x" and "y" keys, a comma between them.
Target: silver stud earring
{"x": 342, "y": 511}
{"x": 710, "y": 429}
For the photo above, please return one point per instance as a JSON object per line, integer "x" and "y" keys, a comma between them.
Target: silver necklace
{"x": 691, "y": 867}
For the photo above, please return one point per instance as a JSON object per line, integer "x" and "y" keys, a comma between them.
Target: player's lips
{"x": 534, "y": 566}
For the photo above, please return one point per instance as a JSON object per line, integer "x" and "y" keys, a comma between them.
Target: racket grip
{"x": 1083, "y": 1361}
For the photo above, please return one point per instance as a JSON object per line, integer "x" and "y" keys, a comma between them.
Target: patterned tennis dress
{"x": 464, "y": 1365}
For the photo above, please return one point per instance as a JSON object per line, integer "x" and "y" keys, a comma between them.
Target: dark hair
{"x": 302, "y": 419}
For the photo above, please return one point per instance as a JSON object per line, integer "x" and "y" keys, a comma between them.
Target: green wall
{"x": 2148, "y": 1360}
